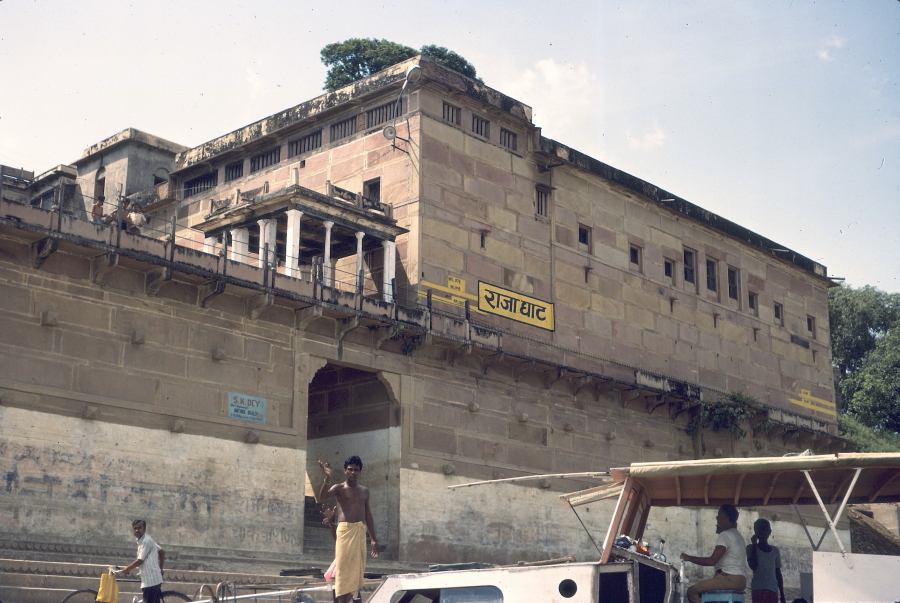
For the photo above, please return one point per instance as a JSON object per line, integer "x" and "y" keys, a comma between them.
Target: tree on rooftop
{"x": 356, "y": 58}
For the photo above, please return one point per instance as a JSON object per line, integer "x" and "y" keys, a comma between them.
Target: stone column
{"x": 326, "y": 264}
{"x": 267, "y": 229}
{"x": 209, "y": 245}
{"x": 359, "y": 258}
{"x": 390, "y": 251}
{"x": 291, "y": 260}
{"x": 240, "y": 245}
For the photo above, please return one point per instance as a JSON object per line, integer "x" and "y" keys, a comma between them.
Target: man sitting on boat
{"x": 729, "y": 557}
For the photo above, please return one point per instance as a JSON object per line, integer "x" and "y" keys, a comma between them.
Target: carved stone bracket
{"x": 41, "y": 250}
{"x": 101, "y": 265}
{"x": 209, "y": 291}
{"x": 459, "y": 353}
{"x": 551, "y": 377}
{"x": 258, "y": 303}
{"x": 628, "y": 396}
{"x": 582, "y": 382}
{"x": 304, "y": 316}
{"x": 654, "y": 402}
{"x": 381, "y": 334}
{"x": 602, "y": 388}
{"x": 521, "y": 369}
{"x": 155, "y": 279}
{"x": 490, "y": 361}
{"x": 344, "y": 326}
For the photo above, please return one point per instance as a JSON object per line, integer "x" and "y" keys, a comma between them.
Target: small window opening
{"x": 669, "y": 270}
{"x": 308, "y": 143}
{"x": 587, "y": 274}
{"x": 584, "y": 238}
{"x": 372, "y": 189}
{"x": 779, "y": 314}
{"x": 733, "y": 283}
{"x": 452, "y": 114}
{"x": 507, "y": 139}
{"x": 689, "y": 274}
{"x": 811, "y": 326}
{"x": 634, "y": 256}
{"x": 542, "y": 202}
{"x": 234, "y": 171}
{"x": 711, "y": 282}
{"x": 481, "y": 126}
{"x": 264, "y": 160}
{"x": 752, "y": 303}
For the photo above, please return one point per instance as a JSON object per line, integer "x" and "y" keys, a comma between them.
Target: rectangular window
{"x": 733, "y": 283}
{"x": 343, "y": 129}
{"x": 507, "y": 139}
{"x": 381, "y": 114}
{"x": 811, "y": 326}
{"x": 584, "y": 238}
{"x": 234, "y": 171}
{"x": 711, "y": 282}
{"x": 264, "y": 160}
{"x": 779, "y": 314}
{"x": 634, "y": 256}
{"x": 372, "y": 189}
{"x": 689, "y": 267}
{"x": 201, "y": 183}
{"x": 452, "y": 114}
{"x": 541, "y": 202}
{"x": 306, "y": 144}
{"x": 669, "y": 270}
{"x": 753, "y": 303}
{"x": 480, "y": 126}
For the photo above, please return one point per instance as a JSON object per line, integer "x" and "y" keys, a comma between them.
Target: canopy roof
{"x": 768, "y": 481}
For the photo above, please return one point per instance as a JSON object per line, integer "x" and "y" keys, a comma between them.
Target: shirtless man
{"x": 350, "y": 548}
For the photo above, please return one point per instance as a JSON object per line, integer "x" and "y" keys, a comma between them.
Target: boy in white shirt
{"x": 729, "y": 557}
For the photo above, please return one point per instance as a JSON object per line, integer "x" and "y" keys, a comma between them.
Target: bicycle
{"x": 89, "y": 595}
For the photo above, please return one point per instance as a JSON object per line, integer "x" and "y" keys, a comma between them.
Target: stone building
{"x": 404, "y": 269}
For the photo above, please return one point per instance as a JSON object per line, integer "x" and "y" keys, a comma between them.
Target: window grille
{"x": 234, "y": 171}
{"x": 452, "y": 114}
{"x": 343, "y": 129}
{"x": 306, "y": 144}
{"x": 480, "y": 126}
{"x": 381, "y": 114}
{"x": 264, "y": 160}
{"x": 508, "y": 139}
{"x": 201, "y": 183}
{"x": 542, "y": 202}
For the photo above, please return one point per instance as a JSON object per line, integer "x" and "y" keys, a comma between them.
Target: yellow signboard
{"x": 808, "y": 401}
{"x": 515, "y": 306}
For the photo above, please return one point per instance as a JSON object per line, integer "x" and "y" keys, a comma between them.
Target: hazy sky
{"x": 783, "y": 116}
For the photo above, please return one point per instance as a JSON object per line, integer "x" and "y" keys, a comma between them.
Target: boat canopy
{"x": 838, "y": 479}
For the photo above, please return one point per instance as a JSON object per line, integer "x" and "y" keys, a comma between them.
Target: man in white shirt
{"x": 151, "y": 559}
{"x": 729, "y": 557}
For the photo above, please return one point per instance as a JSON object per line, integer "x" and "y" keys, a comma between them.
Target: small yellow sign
{"x": 515, "y": 306}
{"x": 808, "y": 401}
{"x": 456, "y": 284}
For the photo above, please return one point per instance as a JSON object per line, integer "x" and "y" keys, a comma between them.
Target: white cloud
{"x": 832, "y": 41}
{"x": 648, "y": 141}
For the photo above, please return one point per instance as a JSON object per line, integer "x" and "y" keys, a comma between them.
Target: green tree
{"x": 356, "y": 58}
{"x": 858, "y": 318}
{"x": 865, "y": 340}
{"x": 875, "y": 387}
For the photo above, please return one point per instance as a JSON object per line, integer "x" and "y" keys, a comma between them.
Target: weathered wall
{"x": 606, "y": 305}
{"x": 80, "y": 481}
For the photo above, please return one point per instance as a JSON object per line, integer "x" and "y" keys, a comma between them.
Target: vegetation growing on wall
{"x": 726, "y": 413}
